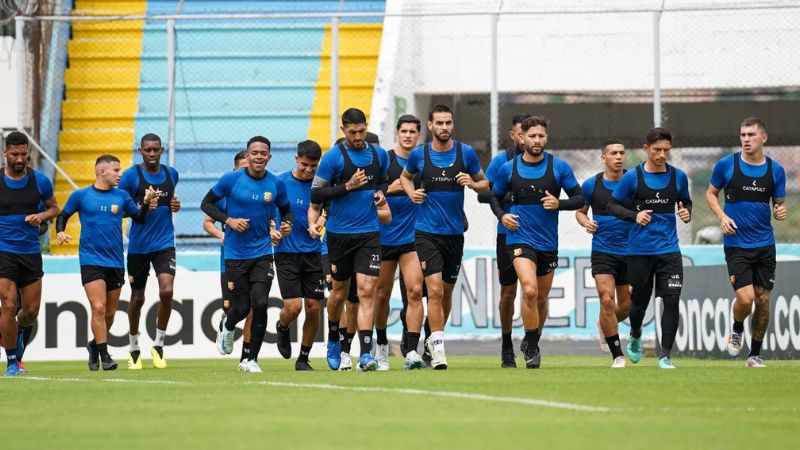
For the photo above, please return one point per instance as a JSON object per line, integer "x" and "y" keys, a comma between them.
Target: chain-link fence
{"x": 595, "y": 74}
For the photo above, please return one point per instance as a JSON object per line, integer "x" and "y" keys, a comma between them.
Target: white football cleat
{"x": 755, "y": 362}
{"x": 413, "y": 361}
{"x": 619, "y": 362}
{"x": 243, "y": 366}
{"x": 252, "y": 366}
{"x": 382, "y": 355}
{"x": 734, "y": 343}
{"x": 438, "y": 358}
{"x": 347, "y": 362}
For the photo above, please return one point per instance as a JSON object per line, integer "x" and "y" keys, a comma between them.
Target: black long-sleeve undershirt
{"x": 209, "y": 206}
{"x": 575, "y": 200}
{"x": 322, "y": 194}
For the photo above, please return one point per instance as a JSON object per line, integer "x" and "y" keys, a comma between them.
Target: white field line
{"x": 451, "y": 394}
{"x": 107, "y": 380}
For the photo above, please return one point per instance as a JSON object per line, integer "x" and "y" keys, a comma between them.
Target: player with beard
{"x": 101, "y": 208}
{"x": 535, "y": 180}
{"x": 654, "y": 190}
{"x": 152, "y": 243}
{"x": 253, "y": 198}
{"x": 750, "y": 180}
{"x": 609, "y": 246}
{"x": 22, "y": 193}
{"x": 445, "y": 166}
{"x": 349, "y": 176}
{"x": 505, "y": 268}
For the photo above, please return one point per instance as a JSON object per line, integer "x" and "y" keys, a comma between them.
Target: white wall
{"x": 8, "y": 84}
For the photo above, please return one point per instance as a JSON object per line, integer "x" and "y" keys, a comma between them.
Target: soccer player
{"x": 750, "y": 180}
{"x": 239, "y": 162}
{"x": 609, "y": 246}
{"x": 297, "y": 259}
{"x": 534, "y": 180}
{"x": 654, "y": 190}
{"x": 253, "y": 197}
{"x": 101, "y": 208}
{"x": 505, "y": 268}
{"x": 152, "y": 243}
{"x": 22, "y": 192}
{"x": 397, "y": 247}
{"x": 445, "y": 166}
{"x": 349, "y": 176}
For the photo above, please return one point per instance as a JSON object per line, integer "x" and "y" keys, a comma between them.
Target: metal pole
{"x": 19, "y": 50}
{"x": 657, "y": 69}
{"x": 494, "y": 112}
{"x": 171, "y": 90}
{"x": 49, "y": 158}
{"x": 334, "y": 78}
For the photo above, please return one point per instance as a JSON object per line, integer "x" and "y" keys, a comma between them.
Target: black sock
{"x": 412, "y": 341}
{"x": 245, "y": 351}
{"x": 12, "y": 357}
{"x": 26, "y": 334}
{"x": 427, "y": 327}
{"x": 532, "y": 338}
{"x": 614, "y": 345}
{"x": 347, "y": 341}
{"x": 381, "y": 336}
{"x": 755, "y": 347}
{"x": 365, "y": 336}
{"x": 333, "y": 331}
{"x": 103, "y": 350}
{"x": 304, "y": 351}
{"x": 507, "y": 344}
{"x": 738, "y": 327}
{"x": 636, "y": 333}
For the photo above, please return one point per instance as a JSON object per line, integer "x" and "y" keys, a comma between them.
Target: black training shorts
{"x": 349, "y": 254}
{"x": 114, "y": 277}
{"x": 610, "y": 264}
{"x": 754, "y": 266}
{"x": 300, "y": 275}
{"x": 163, "y": 261}
{"x": 22, "y": 269}
{"x": 546, "y": 262}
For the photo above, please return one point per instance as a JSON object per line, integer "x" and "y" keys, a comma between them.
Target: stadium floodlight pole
{"x": 657, "y": 68}
{"x": 171, "y": 91}
{"x": 493, "y": 100}
{"x": 19, "y": 50}
{"x": 334, "y": 78}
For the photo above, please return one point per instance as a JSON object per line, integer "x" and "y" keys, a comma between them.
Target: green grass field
{"x": 573, "y": 402}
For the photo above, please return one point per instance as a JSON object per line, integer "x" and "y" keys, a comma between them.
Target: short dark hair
{"x": 309, "y": 149}
{"x": 658, "y": 134}
{"x": 611, "y": 141}
{"x": 534, "y": 121}
{"x": 440, "y": 108}
{"x": 105, "y": 159}
{"x": 353, "y": 116}
{"x": 16, "y": 138}
{"x": 518, "y": 119}
{"x": 238, "y": 157}
{"x": 749, "y": 122}
{"x": 149, "y": 137}
{"x": 261, "y": 139}
{"x": 408, "y": 118}
{"x": 373, "y": 138}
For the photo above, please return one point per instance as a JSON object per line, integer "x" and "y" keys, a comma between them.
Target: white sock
{"x": 133, "y": 341}
{"x": 437, "y": 339}
{"x": 160, "y": 335}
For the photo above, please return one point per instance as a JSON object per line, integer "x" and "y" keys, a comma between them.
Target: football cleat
{"x": 665, "y": 363}
{"x": 367, "y": 363}
{"x": 734, "y": 343}
{"x": 508, "y": 359}
{"x": 413, "y": 361}
{"x": 634, "y": 349}
{"x": 755, "y": 362}
{"x": 346, "y": 362}
{"x": 225, "y": 341}
{"x": 283, "y": 340}
{"x": 438, "y": 358}
{"x": 334, "y": 355}
{"x": 619, "y": 362}
{"x": 134, "y": 360}
{"x": 252, "y": 366}
{"x": 157, "y": 353}
{"x": 108, "y": 363}
{"x": 382, "y": 355}
{"x": 302, "y": 365}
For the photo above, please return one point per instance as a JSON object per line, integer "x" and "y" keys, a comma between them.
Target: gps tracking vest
{"x": 749, "y": 189}
{"x": 601, "y": 197}
{"x": 20, "y": 202}
{"x": 660, "y": 201}
{"x": 371, "y": 171}
{"x": 442, "y": 179}
{"x": 167, "y": 188}
{"x": 395, "y": 171}
{"x": 531, "y": 191}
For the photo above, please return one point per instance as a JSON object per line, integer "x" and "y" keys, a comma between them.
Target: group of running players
{"x": 350, "y": 217}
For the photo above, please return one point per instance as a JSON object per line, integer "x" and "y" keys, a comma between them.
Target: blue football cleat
{"x": 367, "y": 363}
{"x": 634, "y": 349}
{"x": 12, "y": 370}
{"x": 334, "y": 354}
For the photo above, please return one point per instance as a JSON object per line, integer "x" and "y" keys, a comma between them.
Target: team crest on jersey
{"x": 333, "y": 268}
{"x": 230, "y": 285}
{"x": 114, "y": 209}
{"x": 328, "y": 279}
{"x": 226, "y": 303}
{"x": 267, "y": 196}
{"x": 517, "y": 252}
